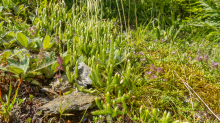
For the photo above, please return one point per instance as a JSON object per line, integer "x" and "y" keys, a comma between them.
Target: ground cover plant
{"x": 151, "y": 61}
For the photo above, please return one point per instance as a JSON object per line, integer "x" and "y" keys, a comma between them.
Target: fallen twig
{"x": 188, "y": 87}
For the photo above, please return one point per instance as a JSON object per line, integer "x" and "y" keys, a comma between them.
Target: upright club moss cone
{"x": 76, "y": 71}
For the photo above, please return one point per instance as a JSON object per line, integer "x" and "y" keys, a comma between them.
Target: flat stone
{"x": 51, "y": 94}
{"x": 41, "y": 101}
{"x": 62, "y": 86}
{"x": 84, "y": 72}
{"x": 78, "y": 101}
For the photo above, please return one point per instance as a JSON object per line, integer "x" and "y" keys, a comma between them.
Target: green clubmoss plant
{"x": 153, "y": 116}
{"x": 70, "y": 75}
{"x": 110, "y": 108}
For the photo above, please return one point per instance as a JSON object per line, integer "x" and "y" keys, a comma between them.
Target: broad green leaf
{"x": 29, "y": 75}
{"x": 35, "y": 73}
{"x": 3, "y": 68}
{"x": 15, "y": 53}
{"x": 24, "y": 64}
{"x": 8, "y": 45}
{"x": 15, "y": 70}
{"x": 38, "y": 42}
{"x": 27, "y": 54}
{"x": 31, "y": 44}
{"x": 22, "y": 39}
{"x": 1, "y": 24}
{"x": 46, "y": 42}
{"x": 35, "y": 82}
{"x": 11, "y": 34}
{"x": 37, "y": 20}
{"x": 50, "y": 45}
{"x": 13, "y": 62}
{"x": 21, "y": 53}
{"x": 66, "y": 59}
{"x": 7, "y": 53}
{"x": 44, "y": 66}
{"x": 54, "y": 66}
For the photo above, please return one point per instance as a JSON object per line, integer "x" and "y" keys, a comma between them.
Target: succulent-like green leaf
{"x": 68, "y": 73}
{"x": 82, "y": 89}
{"x": 108, "y": 99}
{"x": 100, "y": 112}
{"x": 76, "y": 70}
{"x": 115, "y": 112}
{"x": 98, "y": 103}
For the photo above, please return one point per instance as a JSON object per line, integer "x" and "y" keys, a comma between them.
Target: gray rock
{"x": 78, "y": 101}
{"x": 63, "y": 86}
{"x": 41, "y": 101}
{"x": 51, "y": 94}
{"x": 84, "y": 72}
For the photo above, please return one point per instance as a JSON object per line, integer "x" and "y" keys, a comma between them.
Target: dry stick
{"x": 188, "y": 87}
{"x": 190, "y": 96}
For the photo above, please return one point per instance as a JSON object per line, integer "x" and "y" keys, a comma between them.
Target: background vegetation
{"x": 149, "y": 56}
